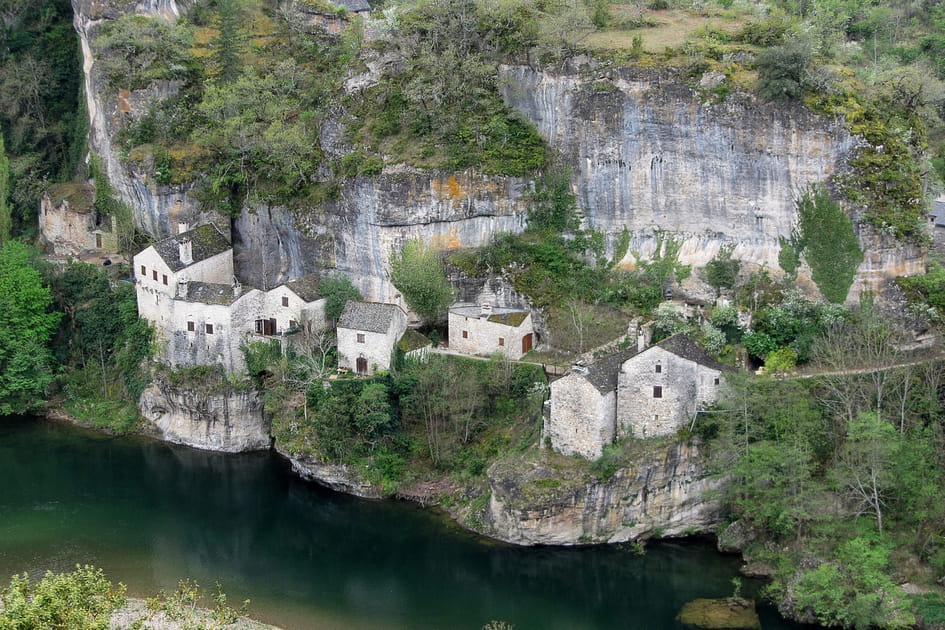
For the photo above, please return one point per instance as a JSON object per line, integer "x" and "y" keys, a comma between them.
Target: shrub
{"x": 781, "y": 71}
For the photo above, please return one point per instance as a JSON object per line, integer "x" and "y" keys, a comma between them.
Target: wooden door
{"x": 361, "y": 366}
{"x": 526, "y": 343}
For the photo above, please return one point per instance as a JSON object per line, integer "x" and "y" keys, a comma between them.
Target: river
{"x": 150, "y": 513}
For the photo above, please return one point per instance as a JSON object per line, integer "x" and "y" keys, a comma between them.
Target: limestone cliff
{"x": 208, "y": 415}
{"x": 665, "y": 491}
{"x": 646, "y": 152}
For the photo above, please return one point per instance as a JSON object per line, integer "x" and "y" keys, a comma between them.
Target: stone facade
{"x": 485, "y": 330}
{"x": 202, "y": 315}
{"x": 643, "y": 394}
{"x": 660, "y": 389}
{"x": 70, "y": 224}
{"x": 367, "y": 332}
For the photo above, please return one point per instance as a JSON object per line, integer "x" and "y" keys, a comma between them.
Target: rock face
{"x": 217, "y": 418}
{"x": 661, "y": 493}
{"x": 648, "y": 154}
{"x": 335, "y": 476}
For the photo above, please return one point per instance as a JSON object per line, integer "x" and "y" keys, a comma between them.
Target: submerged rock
{"x": 727, "y": 612}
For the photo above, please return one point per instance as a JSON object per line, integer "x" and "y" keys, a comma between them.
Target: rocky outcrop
{"x": 338, "y": 477}
{"x": 70, "y": 225}
{"x": 663, "y": 492}
{"x": 210, "y": 415}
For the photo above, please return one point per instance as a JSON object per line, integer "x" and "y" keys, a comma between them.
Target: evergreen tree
{"x": 229, "y": 41}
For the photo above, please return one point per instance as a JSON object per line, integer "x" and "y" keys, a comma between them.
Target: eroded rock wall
{"x": 663, "y": 492}
{"x": 211, "y": 417}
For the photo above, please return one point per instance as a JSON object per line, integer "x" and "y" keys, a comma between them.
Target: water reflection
{"x": 150, "y": 513}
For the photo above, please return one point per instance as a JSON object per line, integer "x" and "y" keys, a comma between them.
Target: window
{"x": 465, "y": 334}
{"x": 285, "y": 301}
{"x": 501, "y": 341}
{"x": 165, "y": 279}
{"x": 98, "y": 241}
{"x": 144, "y": 271}
{"x": 716, "y": 380}
{"x": 659, "y": 368}
{"x": 209, "y": 329}
{"x": 657, "y": 391}
{"x": 293, "y": 323}
{"x": 154, "y": 274}
{"x": 190, "y": 327}
{"x": 360, "y": 337}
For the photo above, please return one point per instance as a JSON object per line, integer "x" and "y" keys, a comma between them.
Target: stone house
{"x": 70, "y": 224}
{"x": 648, "y": 393}
{"x": 202, "y": 315}
{"x": 367, "y": 332}
{"x": 332, "y": 16}
{"x": 486, "y": 329}
{"x": 660, "y": 389}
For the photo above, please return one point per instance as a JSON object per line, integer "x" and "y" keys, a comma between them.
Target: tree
{"x": 6, "y": 217}
{"x": 722, "y": 271}
{"x": 419, "y": 275}
{"x": 26, "y": 326}
{"x": 829, "y": 242}
{"x": 227, "y": 45}
{"x": 864, "y": 466}
{"x": 781, "y": 71}
{"x": 337, "y": 290}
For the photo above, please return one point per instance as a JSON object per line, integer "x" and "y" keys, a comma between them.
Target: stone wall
{"x": 486, "y": 337}
{"x": 582, "y": 421}
{"x": 71, "y": 226}
{"x": 683, "y": 385}
{"x": 377, "y": 348}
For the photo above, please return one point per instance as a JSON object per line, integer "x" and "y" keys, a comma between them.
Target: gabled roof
{"x": 683, "y": 346}
{"x": 206, "y": 241}
{"x": 412, "y": 340}
{"x": 213, "y": 293}
{"x": 603, "y": 372}
{"x": 368, "y": 316}
{"x": 306, "y": 287}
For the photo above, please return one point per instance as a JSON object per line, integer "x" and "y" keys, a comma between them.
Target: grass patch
{"x": 116, "y": 416}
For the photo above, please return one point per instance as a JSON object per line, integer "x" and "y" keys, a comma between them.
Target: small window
{"x": 165, "y": 279}
{"x": 465, "y": 334}
{"x": 285, "y": 300}
{"x": 98, "y": 241}
{"x": 293, "y": 323}
{"x": 154, "y": 274}
{"x": 716, "y": 380}
{"x": 659, "y": 368}
{"x": 190, "y": 327}
{"x": 209, "y": 329}
{"x": 657, "y": 391}
{"x": 144, "y": 272}
{"x": 360, "y": 337}
{"x": 501, "y": 341}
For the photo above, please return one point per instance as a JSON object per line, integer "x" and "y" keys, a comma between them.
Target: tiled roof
{"x": 683, "y": 346}
{"x": 212, "y": 293}
{"x": 602, "y": 373}
{"x": 206, "y": 241}
{"x": 368, "y": 316}
{"x": 938, "y": 212}
{"x": 306, "y": 287}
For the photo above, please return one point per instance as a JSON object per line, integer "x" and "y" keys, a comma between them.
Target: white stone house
{"x": 660, "y": 389}
{"x": 71, "y": 225}
{"x": 644, "y": 394}
{"x": 485, "y": 329}
{"x": 367, "y": 332}
{"x": 584, "y": 407}
{"x": 201, "y": 314}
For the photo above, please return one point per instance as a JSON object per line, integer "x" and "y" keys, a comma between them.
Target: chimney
{"x": 186, "y": 252}
{"x": 485, "y": 311}
{"x": 182, "y": 288}
{"x": 641, "y": 341}
{"x": 237, "y": 287}
{"x": 181, "y": 227}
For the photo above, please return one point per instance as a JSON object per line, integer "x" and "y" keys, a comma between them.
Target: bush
{"x": 781, "y": 71}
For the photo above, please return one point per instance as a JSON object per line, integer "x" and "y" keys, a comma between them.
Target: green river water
{"x": 150, "y": 513}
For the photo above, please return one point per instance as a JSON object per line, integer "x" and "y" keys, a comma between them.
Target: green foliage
{"x": 830, "y": 245}
{"x": 228, "y": 44}
{"x": 40, "y": 110}
{"x": 610, "y": 461}
{"x": 134, "y": 50}
{"x": 418, "y": 273}
{"x": 27, "y": 324}
{"x": 337, "y": 291}
{"x": 722, "y": 271}
{"x": 781, "y": 360}
{"x": 781, "y": 71}
{"x": 106, "y": 202}
{"x": 6, "y": 212}
{"x": 927, "y": 289}
{"x": 789, "y": 256}
{"x": 81, "y": 600}
{"x": 552, "y": 205}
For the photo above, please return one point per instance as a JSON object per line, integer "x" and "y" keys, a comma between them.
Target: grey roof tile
{"x": 207, "y": 241}
{"x": 368, "y": 316}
